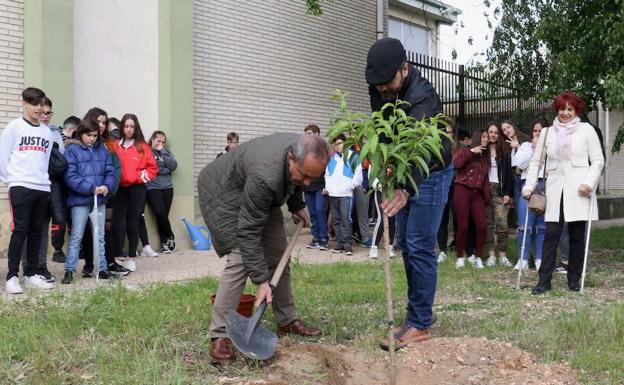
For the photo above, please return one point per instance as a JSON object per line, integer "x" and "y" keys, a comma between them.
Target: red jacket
{"x": 133, "y": 162}
{"x": 471, "y": 170}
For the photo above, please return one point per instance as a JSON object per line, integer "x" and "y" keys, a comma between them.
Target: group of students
{"x": 491, "y": 172}
{"x": 94, "y": 167}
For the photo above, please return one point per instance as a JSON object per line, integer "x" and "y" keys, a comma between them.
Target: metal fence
{"x": 469, "y": 96}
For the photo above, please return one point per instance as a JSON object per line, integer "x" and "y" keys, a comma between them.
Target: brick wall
{"x": 265, "y": 66}
{"x": 11, "y": 64}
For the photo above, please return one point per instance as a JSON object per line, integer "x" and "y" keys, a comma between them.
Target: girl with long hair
{"x": 138, "y": 167}
{"x": 501, "y": 180}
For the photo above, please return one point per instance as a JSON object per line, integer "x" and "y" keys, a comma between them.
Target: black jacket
{"x": 424, "y": 102}
{"x": 56, "y": 170}
{"x": 505, "y": 175}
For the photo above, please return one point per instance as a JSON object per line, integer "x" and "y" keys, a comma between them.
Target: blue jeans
{"x": 417, "y": 226}
{"x": 535, "y": 226}
{"x": 315, "y": 200}
{"x": 80, "y": 215}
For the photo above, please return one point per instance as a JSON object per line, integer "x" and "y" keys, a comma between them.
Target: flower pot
{"x": 245, "y": 306}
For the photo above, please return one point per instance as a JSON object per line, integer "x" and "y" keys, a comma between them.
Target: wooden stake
{"x": 388, "y": 279}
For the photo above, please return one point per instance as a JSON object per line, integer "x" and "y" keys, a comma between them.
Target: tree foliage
{"x": 408, "y": 142}
{"x": 544, "y": 47}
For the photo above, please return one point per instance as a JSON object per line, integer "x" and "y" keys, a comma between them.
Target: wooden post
{"x": 388, "y": 279}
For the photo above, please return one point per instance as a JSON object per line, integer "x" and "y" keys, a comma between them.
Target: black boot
{"x": 87, "y": 272}
{"x": 541, "y": 288}
{"x": 574, "y": 282}
{"x": 58, "y": 256}
{"x": 68, "y": 278}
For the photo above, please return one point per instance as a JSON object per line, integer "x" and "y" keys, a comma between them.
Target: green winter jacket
{"x": 238, "y": 190}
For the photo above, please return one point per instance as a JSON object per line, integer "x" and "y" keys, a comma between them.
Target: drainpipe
{"x": 380, "y": 19}
{"x": 607, "y": 153}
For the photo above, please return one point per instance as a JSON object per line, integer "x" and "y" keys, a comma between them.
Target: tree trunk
{"x": 388, "y": 278}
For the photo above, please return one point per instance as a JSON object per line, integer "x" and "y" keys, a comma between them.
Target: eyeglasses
{"x": 48, "y": 113}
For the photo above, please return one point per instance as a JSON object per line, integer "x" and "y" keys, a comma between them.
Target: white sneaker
{"x": 491, "y": 261}
{"x": 148, "y": 252}
{"x": 12, "y": 286}
{"x": 538, "y": 263}
{"x": 391, "y": 253}
{"x": 38, "y": 282}
{"x": 131, "y": 266}
{"x": 442, "y": 257}
{"x": 504, "y": 261}
{"x": 525, "y": 264}
{"x": 478, "y": 263}
{"x": 460, "y": 263}
{"x": 472, "y": 259}
{"x": 373, "y": 253}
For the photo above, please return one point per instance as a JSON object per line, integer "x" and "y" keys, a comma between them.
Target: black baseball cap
{"x": 384, "y": 59}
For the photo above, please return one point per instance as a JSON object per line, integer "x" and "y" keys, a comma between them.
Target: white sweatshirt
{"x": 25, "y": 154}
{"x": 523, "y": 159}
{"x": 340, "y": 180}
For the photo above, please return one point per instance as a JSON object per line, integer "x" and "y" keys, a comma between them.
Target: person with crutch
{"x": 574, "y": 162}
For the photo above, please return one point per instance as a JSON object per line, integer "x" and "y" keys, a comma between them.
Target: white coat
{"x": 566, "y": 175}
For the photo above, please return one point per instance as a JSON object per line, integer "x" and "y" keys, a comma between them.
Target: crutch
{"x": 589, "y": 222}
{"x": 520, "y": 258}
{"x": 94, "y": 215}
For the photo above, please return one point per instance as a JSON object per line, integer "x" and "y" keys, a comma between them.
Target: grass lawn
{"x": 158, "y": 335}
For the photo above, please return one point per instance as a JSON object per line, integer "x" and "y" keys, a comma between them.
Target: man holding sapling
{"x": 240, "y": 197}
{"x": 391, "y": 77}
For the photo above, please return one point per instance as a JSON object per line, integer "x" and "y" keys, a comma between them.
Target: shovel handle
{"x": 286, "y": 256}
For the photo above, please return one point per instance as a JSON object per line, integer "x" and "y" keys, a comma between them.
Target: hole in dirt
{"x": 439, "y": 361}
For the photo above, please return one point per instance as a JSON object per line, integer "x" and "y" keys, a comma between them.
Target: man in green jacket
{"x": 240, "y": 197}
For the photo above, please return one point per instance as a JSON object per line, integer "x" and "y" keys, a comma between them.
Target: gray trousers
{"x": 234, "y": 277}
{"x": 361, "y": 207}
{"x": 341, "y": 220}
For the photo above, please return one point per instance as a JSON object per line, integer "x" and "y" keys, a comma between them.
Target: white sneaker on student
{"x": 504, "y": 261}
{"x": 478, "y": 263}
{"x": 12, "y": 286}
{"x": 491, "y": 261}
{"x": 391, "y": 252}
{"x": 442, "y": 257}
{"x": 38, "y": 282}
{"x": 538, "y": 263}
{"x": 130, "y": 265}
{"x": 459, "y": 264}
{"x": 525, "y": 264}
{"x": 472, "y": 259}
{"x": 148, "y": 252}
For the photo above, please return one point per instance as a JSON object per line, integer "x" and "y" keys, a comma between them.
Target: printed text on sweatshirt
{"x": 25, "y": 154}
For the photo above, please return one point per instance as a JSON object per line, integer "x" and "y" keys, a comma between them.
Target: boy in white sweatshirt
{"x": 340, "y": 180}
{"x": 25, "y": 146}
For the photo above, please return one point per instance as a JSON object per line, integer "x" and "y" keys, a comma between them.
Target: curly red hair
{"x": 570, "y": 98}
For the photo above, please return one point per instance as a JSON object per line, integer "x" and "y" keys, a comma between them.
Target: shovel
{"x": 249, "y": 337}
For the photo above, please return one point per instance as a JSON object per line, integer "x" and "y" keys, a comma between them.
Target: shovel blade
{"x": 249, "y": 337}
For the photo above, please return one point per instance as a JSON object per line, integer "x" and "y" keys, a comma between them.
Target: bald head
{"x": 307, "y": 159}
{"x": 310, "y": 145}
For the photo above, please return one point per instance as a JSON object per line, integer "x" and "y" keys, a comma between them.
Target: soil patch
{"x": 439, "y": 361}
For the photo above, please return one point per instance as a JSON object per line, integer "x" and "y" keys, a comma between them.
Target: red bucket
{"x": 245, "y": 306}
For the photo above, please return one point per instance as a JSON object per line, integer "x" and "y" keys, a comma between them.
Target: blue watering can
{"x": 201, "y": 240}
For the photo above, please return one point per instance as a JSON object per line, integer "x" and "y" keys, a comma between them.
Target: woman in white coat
{"x": 574, "y": 162}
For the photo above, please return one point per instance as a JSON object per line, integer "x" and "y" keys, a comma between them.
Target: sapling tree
{"x": 395, "y": 145}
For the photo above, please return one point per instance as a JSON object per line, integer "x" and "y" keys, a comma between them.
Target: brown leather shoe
{"x": 298, "y": 327}
{"x": 221, "y": 351}
{"x": 408, "y": 336}
{"x": 398, "y": 330}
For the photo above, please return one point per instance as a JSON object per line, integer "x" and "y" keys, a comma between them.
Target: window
{"x": 413, "y": 37}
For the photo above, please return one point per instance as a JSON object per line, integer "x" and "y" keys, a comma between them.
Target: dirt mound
{"x": 438, "y": 361}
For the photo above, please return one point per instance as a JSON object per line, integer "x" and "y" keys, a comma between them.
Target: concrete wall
{"x": 265, "y": 66}
{"x": 116, "y": 58}
{"x": 11, "y": 85}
